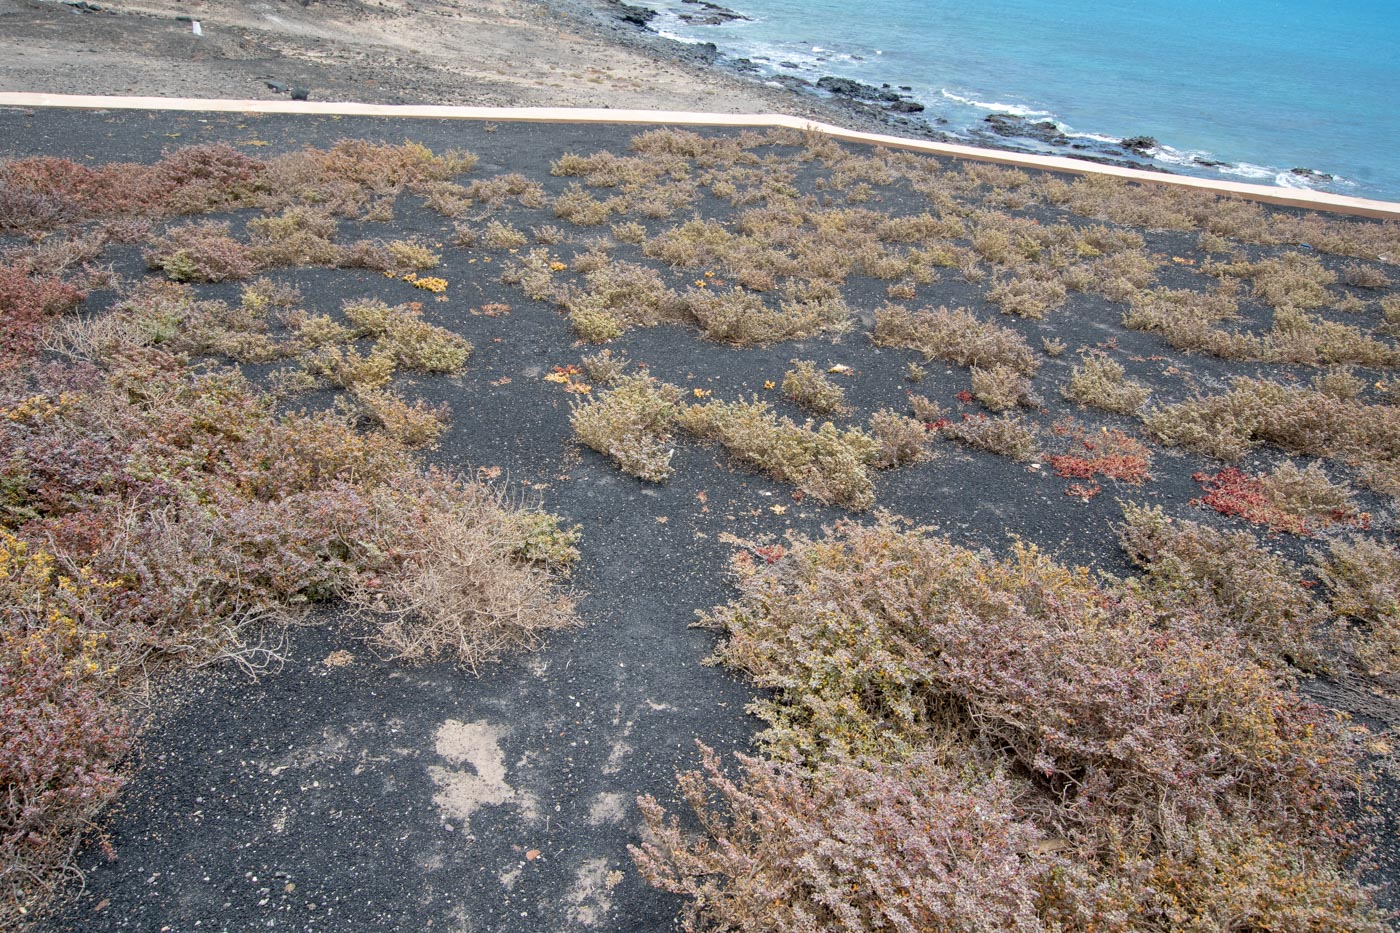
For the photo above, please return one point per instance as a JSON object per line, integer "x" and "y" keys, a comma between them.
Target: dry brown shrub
{"x": 1292, "y": 280}
{"x": 499, "y": 235}
{"x": 1148, "y": 772}
{"x": 902, "y": 440}
{"x": 1231, "y": 580}
{"x": 740, "y": 317}
{"x": 463, "y": 593}
{"x": 534, "y": 273}
{"x": 1001, "y": 388}
{"x": 1359, "y": 276}
{"x": 579, "y": 207}
{"x": 1009, "y": 435}
{"x": 1101, "y": 382}
{"x": 604, "y": 367}
{"x": 632, "y": 425}
{"x": 412, "y": 425}
{"x": 1302, "y": 421}
{"x": 298, "y": 236}
{"x": 1363, "y": 580}
{"x": 809, "y": 387}
{"x": 956, "y": 336}
{"x": 925, "y": 409}
{"x": 825, "y": 462}
{"x": 200, "y": 252}
{"x": 1032, "y": 295}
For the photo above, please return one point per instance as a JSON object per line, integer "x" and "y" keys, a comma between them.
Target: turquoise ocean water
{"x": 1265, "y": 85}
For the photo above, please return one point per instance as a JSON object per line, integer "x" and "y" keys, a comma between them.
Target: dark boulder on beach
{"x": 845, "y": 87}
{"x": 907, "y": 106}
{"x": 745, "y": 66}
{"x": 1010, "y": 125}
{"x": 1139, "y": 144}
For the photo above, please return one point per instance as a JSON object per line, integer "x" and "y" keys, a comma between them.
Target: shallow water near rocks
{"x": 1263, "y": 85}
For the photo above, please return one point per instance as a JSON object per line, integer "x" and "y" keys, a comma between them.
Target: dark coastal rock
{"x": 1139, "y": 144}
{"x": 845, "y": 87}
{"x": 792, "y": 65}
{"x": 745, "y": 66}
{"x": 793, "y": 82}
{"x": 706, "y": 52}
{"x": 1010, "y": 125}
{"x": 1310, "y": 174}
{"x": 633, "y": 15}
{"x": 713, "y": 15}
{"x": 1210, "y": 163}
{"x": 907, "y": 106}
{"x": 300, "y": 93}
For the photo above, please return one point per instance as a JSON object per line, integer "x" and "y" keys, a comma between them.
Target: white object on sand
{"x": 198, "y": 29}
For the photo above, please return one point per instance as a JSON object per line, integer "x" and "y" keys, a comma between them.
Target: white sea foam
{"x": 1014, "y": 109}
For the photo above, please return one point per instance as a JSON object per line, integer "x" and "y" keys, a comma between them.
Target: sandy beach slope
{"x": 473, "y": 52}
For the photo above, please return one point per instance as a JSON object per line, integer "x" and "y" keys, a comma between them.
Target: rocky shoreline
{"x": 883, "y": 108}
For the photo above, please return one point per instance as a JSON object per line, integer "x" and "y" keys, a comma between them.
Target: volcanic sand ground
{"x": 345, "y": 791}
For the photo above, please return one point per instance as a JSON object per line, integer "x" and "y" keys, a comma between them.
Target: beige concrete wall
{"x": 1268, "y": 194}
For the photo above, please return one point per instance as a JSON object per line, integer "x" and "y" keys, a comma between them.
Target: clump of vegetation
{"x": 741, "y": 317}
{"x": 1187, "y": 321}
{"x": 632, "y": 425}
{"x": 824, "y": 461}
{"x": 926, "y": 409}
{"x": 903, "y": 440}
{"x": 534, "y": 273}
{"x": 577, "y": 206}
{"x": 1028, "y": 296}
{"x": 915, "y": 373}
{"x": 1106, "y": 452}
{"x": 808, "y": 386}
{"x": 412, "y": 425}
{"x": 500, "y": 235}
{"x": 298, "y": 236}
{"x": 604, "y": 367}
{"x": 200, "y": 252}
{"x": 1237, "y": 585}
{"x": 154, "y": 513}
{"x": 955, "y": 336}
{"x": 1001, "y": 388}
{"x": 1359, "y": 276}
{"x": 413, "y": 343}
{"x": 463, "y": 592}
{"x": 1004, "y": 743}
{"x": 1304, "y": 421}
{"x": 1363, "y": 583}
{"x": 1009, "y": 435}
{"x": 1299, "y": 501}
{"x": 618, "y": 296}
{"x": 411, "y": 256}
{"x": 1101, "y": 382}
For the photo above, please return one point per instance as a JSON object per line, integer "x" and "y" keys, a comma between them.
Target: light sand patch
{"x": 482, "y": 782}
{"x": 590, "y": 896}
{"x": 607, "y": 807}
{"x": 619, "y": 751}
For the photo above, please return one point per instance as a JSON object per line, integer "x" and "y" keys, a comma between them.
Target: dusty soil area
{"x": 486, "y": 53}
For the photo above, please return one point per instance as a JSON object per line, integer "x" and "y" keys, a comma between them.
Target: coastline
{"x": 581, "y": 53}
{"x": 495, "y": 53}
